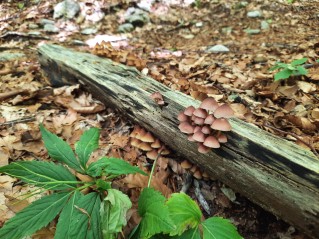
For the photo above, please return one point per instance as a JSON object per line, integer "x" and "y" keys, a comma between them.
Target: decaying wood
{"x": 276, "y": 174}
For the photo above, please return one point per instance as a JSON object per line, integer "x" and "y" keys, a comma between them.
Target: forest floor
{"x": 174, "y": 44}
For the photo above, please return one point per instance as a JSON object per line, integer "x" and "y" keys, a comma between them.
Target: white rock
{"x": 218, "y": 49}
{"x": 254, "y": 14}
{"x": 67, "y": 8}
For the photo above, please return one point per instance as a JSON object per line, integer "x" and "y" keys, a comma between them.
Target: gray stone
{"x": 252, "y": 31}
{"x": 67, "y": 8}
{"x": 254, "y": 14}
{"x": 126, "y": 27}
{"x": 264, "y": 25}
{"x": 46, "y": 21}
{"x": 218, "y": 49}
{"x": 51, "y": 28}
{"x": 34, "y": 33}
{"x": 199, "y": 24}
{"x": 227, "y": 30}
{"x": 78, "y": 43}
{"x": 88, "y": 31}
{"x": 33, "y": 26}
{"x": 7, "y": 56}
{"x": 241, "y": 4}
{"x": 136, "y": 16}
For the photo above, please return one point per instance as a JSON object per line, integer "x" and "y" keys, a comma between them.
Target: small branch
{"x": 22, "y": 120}
{"x": 202, "y": 201}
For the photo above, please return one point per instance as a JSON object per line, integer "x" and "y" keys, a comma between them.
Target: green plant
{"x": 93, "y": 215}
{"x": 101, "y": 213}
{"x": 287, "y": 70}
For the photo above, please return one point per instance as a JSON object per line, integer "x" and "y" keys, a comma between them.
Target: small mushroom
{"x": 197, "y": 174}
{"x": 211, "y": 142}
{"x": 209, "y": 104}
{"x": 224, "y": 111}
{"x": 135, "y": 142}
{"x": 152, "y": 154}
{"x": 189, "y": 110}
{"x": 193, "y": 169}
{"x": 206, "y": 129}
{"x": 205, "y": 175}
{"x": 209, "y": 119}
{"x": 135, "y": 131}
{"x": 221, "y": 124}
{"x": 158, "y": 98}
{"x": 140, "y": 133}
{"x": 190, "y": 138}
{"x": 147, "y": 137}
{"x": 198, "y": 120}
{"x": 222, "y": 138}
{"x": 144, "y": 146}
{"x": 203, "y": 149}
{"x": 199, "y": 136}
{"x": 201, "y": 113}
{"x": 156, "y": 144}
{"x": 164, "y": 151}
{"x": 186, "y": 164}
{"x": 186, "y": 127}
{"x": 197, "y": 128}
{"x": 182, "y": 117}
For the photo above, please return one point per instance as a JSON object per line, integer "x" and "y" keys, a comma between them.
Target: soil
{"x": 173, "y": 46}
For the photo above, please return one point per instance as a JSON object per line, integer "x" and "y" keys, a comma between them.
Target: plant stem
{"x": 153, "y": 167}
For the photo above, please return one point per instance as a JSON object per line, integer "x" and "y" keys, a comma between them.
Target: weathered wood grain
{"x": 276, "y": 174}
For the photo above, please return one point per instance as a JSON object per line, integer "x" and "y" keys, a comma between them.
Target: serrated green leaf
{"x": 66, "y": 217}
{"x": 103, "y": 185}
{"x": 301, "y": 70}
{"x": 113, "y": 213}
{"x": 112, "y": 167}
{"x": 43, "y": 174}
{"x": 88, "y": 142}
{"x": 277, "y": 66}
{"x": 299, "y": 61}
{"x": 59, "y": 149}
{"x": 184, "y": 212}
{"x": 284, "y": 74}
{"x": 32, "y": 218}
{"x": 193, "y": 233}
{"x": 154, "y": 213}
{"x": 86, "y": 219}
{"x": 219, "y": 228}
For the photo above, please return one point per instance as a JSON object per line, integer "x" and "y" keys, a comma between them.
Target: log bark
{"x": 276, "y": 174}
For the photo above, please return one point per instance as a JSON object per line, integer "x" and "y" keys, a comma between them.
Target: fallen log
{"x": 276, "y": 174}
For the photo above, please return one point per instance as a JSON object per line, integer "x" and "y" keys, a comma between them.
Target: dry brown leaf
{"x": 119, "y": 140}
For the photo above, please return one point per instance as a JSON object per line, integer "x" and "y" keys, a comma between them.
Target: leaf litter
{"x": 174, "y": 49}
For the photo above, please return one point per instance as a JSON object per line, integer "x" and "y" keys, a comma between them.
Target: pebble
{"x": 254, "y": 14}
{"x": 264, "y": 25}
{"x": 51, "y": 28}
{"x": 46, "y": 21}
{"x": 252, "y": 31}
{"x": 218, "y": 49}
{"x": 88, "y": 31}
{"x": 33, "y": 26}
{"x": 67, "y": 8}
{"x": 126, "y": 27}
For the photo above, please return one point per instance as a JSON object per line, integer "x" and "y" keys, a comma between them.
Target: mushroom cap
{"x": 199, "y": 136}
{"x": 186, "y": 164}
{"x": 211, "y": 142}
{"x": 206, "y": 129}
{"x": 209, "y": 119}
{"x": 189, "y": 110}
{"x": 164, "y": 151}
{"x": 156, "y": 144}
{"x": 198, "y": 120}
{"x": 182, "y": 117}
{"x": 145, "y": 146}
{"x": 205, "y": 175}
{"x": 221, "y": 124}
{"x": 190, "y": 138}
{"x": 197, "y": 174}
{"x": 147, "y": 137}
{"x": 209, "y": 104}
{"x": 197, "y": 128}
{"x": 224, "y": 111}
{"x": 222, "y": 138}
{"x": 193, "y": 169}
{"x": 152, "y": 154}
{"x": 140, "y": 133}
{"x": 135, "y": 131}
{"x": 201, "y": 113}
{"x": 203, "y": 149}
{"x": 186, "y": 127}
{"x": 135, "y": 142}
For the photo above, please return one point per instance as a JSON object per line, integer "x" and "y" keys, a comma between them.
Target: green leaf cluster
{"x": 179, "y": 217}
{"x": 80, "y": 216}
{"x": 287, "y": 70}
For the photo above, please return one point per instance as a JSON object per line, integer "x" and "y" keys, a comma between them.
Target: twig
{"x": 202, "y": 201}
{"x": 188, "y": 182}
{"x": 295, "y": 136}
{"x": 22, "y": 120}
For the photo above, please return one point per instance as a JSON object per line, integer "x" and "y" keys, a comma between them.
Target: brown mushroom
{"x": 199, "y": 136}
{"x": 156, "y": 144}
{"x": 140, "y": 133}
{"x": 190, "y": 138}
{"x": 144, "y": 146}
{"x": 209, "y": 119}
{"x": 201, "y": 113}
{"x": 193, "y": 169}
{"x": 206, "y": 129}
{"x": 189, "y": 110}
{"x": 182, "y": 117}
{"x": 152, "y": 154}
{"x": 147, "y": 137}
{"x": 203, "y": 149}
{"x": 211, "y": 142}
{"x": 135, "y": 142}
{"x": 186, "y": 127}
{"x": 221, "y": 124}
{"x": 222, "y": 138}
{"x": 209, "y": 104}
{"x": 197, "y": 128}
{"x": 135, "y": 131}
{"x": 198, "y": 120}
{"x": 224, "y": 111}
{"x": 186, "y": 164}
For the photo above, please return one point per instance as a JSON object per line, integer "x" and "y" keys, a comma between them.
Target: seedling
{"x": 295, "y": 68}
{"x": 80, "y": 215}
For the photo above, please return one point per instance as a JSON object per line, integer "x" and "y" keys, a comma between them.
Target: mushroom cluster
{"x": 144, "y": 140}
{"x": 196, "y": 171}
{"x": 205, "y": 124}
